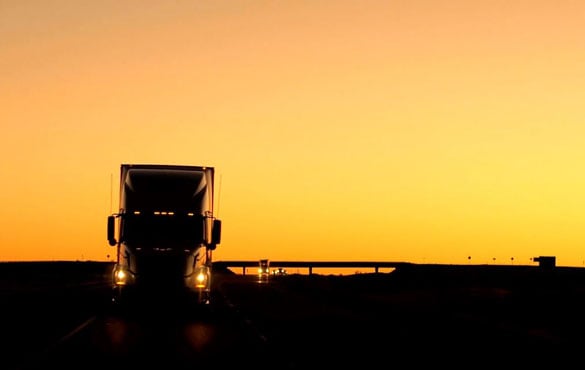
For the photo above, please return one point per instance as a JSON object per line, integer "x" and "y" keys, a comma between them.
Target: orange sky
{"x": 420, "y": 131}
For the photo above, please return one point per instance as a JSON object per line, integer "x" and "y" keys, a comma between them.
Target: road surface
{"x": 421, "y": 316}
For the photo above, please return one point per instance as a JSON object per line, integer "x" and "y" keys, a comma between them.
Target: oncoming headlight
{"x": 120, "y": 277}
{"x": 202, "y": 277}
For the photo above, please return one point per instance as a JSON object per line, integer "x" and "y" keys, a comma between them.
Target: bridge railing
{"x": 375, "y": 265}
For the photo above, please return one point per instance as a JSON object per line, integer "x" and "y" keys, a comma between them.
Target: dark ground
{"x": 428, "y": 315}
{"x": 449, "y": 315}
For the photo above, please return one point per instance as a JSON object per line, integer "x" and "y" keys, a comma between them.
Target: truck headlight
{"x": 120, "y": 277}
{"x": 202, "y": 277}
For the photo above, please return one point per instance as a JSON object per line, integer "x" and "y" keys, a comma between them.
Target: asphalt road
{"x": 458, "y": 316}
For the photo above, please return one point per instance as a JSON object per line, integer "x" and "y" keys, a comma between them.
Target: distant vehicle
{"x": 279, "y": 271}
{"x": 165, "y": 232}
{"x": 264, "y": 269}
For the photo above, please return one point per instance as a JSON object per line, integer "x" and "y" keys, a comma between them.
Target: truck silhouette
{"x": 165, "y": 232}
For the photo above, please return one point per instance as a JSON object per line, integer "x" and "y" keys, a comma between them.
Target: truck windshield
{"x": 165, "y": 230}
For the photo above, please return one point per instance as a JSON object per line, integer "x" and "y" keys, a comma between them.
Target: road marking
{"x": 34, "y": 361}
{"x": 75, "y": 331}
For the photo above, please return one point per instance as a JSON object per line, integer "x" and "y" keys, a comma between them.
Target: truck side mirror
{"x": 111, "y": 230}
{"x": 216, "y": 232}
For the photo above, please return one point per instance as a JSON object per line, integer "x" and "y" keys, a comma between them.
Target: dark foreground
{"x": 421, "y": 315}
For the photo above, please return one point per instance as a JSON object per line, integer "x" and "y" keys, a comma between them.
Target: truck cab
{"x": 165, "y": 232}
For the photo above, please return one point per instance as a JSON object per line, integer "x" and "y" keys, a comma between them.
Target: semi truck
{"x": 165, "y": 232}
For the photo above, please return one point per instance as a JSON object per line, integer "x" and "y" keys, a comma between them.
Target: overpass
{"x": 376, "y": 265}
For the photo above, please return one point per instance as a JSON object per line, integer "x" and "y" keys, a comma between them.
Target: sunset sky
{"x": 421, "y": 131}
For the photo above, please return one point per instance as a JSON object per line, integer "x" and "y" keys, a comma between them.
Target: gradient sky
{"x": 421, "y": 130}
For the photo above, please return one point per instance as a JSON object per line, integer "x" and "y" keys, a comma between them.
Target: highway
{"x": 421, "y": 315}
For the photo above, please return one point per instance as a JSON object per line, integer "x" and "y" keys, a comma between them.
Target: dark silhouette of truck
{"x": 165, "y": 232}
